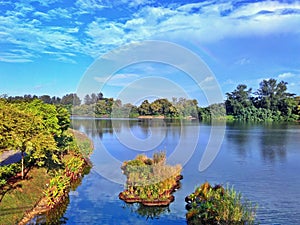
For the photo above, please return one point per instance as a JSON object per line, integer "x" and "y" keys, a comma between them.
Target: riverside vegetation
{"x": 53, "y": 156}
{"x": 50, "y": 155}
{"x": 218, "y": 206}
{"x": 270, "y": 102}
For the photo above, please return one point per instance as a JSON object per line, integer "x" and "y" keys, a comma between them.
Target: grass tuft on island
{"x": 218, "y": 206}
{"x": 150, "y": 181}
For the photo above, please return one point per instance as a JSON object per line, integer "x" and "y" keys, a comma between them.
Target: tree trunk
{"x": 22, "y": 161}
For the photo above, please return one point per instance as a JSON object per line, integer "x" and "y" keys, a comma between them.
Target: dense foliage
{"x": 34, "y": 128}
{"x": 150, "y": 179}
{"x": 270, "y": 102}
{"x": 217, "y": 205}
{"x": 40, "y": 131}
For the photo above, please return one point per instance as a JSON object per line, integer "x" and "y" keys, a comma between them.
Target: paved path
{"x": 10, "y": 156}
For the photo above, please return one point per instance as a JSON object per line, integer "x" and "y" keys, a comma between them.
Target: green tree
{"x": 272, "y": 95}
{"x": 144, "y": 108}
{"x": 186, "y": 107}
{"x": 46, "y": 99}
{"x": 70, "y": 99}
{"x": 21, "y": 129}
{"x": 104, "y": 107}
{"x": 87, "y": 100}
{"x": 163, "y": 107}
{"x": 237, "y": 100}
{"x": 63, "y": 117}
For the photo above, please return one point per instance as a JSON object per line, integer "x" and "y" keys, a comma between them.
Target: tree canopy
{"x": 271, "y": 102}
{"x": 32, "y": 128}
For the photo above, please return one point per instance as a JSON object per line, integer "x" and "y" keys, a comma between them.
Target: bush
{"x": 8, "y": 171}
{"x": 57, "y": 190}
{"x": 217, "y": 205}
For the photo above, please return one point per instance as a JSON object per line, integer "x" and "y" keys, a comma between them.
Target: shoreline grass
{"x": 23, "y": 199}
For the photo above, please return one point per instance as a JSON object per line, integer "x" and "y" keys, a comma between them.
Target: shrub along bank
{"x": 51, "y": 155}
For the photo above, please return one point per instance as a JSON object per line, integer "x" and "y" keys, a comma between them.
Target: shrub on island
{"x": 218, "y": 205}
{"x": 150, "y": 181}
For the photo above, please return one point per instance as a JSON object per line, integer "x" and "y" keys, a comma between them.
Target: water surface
{"x": 261, "y": 160}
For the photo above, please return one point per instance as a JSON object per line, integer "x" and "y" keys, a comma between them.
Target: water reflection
{"x": 270, "y": 139}
{"x": 93, "y": 127}
{"x": 55, "y": 216}
{"x": 238, "y": 133}
{"x": 273, "y": 143}
{"x": 146, "y": 211}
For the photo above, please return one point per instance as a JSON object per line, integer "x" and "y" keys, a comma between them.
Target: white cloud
{"x": 16, "y": 55}
{"x": 117, "y": 80}
{"x": 180, "y": 23}
{"x": 204, "y": 22}
{"x": 43, "y": 2}
{"x": 59, "y": 13}
{"x": 90, "y": 5}
{"x": 286, "y": 75}
{"x": 267, "y": 6}
{"x": 42, "y": 15}
{"x": 133, "y": 3}
{"x": 243, "y": 61}
{"x": 106, "y": 33}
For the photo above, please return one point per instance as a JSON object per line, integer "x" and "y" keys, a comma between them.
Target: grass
{"x": 17, "y": 197}
{"x": 218, "y": 206}
{"x": 22, "y": 196}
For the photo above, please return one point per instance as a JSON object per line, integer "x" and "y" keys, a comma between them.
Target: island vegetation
{"x": 150, "y": 181}
{"x": 270, "y": 102}
{"x": 217, "y": 205}
{"x": 52, "y": 156}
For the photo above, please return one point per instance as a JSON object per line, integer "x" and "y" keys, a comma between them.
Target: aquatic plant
{"x": 218, "y": 205}
{"x": 150, "y": 181}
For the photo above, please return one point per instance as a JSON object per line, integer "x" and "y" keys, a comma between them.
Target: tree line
{"x": 270, "y": 102}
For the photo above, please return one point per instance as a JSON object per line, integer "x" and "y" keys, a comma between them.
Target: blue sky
{"x": 46, "y": 46}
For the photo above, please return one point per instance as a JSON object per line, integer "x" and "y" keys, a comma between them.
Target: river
{"x": 262, "y": 161}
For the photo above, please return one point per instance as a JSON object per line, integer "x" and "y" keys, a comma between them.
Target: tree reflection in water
{"x": 54, "y": 216}
{"x": 153, "y": 212}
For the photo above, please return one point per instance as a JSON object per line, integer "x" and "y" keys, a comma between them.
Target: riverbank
{"x": 24, "y": 199}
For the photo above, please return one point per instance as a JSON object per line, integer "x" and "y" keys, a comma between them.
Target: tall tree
{"x": 70, "y": 99}
{"x": 274, "y": 96}
{"x": 87, "y": 99}
{"x": 144, "y": 108}
{"x": 237, "y": 100}
{"x": 46, "y": 99}
{"x": 23, "y": 130}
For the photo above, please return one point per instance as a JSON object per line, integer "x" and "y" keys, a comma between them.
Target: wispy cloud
{"x": 118, "y": 80}
{"x": 243, "y": 61}
{"x": 286, "y": 75}
{"x": 16, "y": 56}
{"x": 45, "y": 28}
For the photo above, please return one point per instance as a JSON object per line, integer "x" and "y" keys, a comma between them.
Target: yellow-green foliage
{"x": 217, "y": 205}
{"x": 73, "y": 166}
{"x": 150, "y": 179}
{"x": 57, "y": 190}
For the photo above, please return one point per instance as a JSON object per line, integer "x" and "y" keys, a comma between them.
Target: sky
{"x": 49, "y": 47}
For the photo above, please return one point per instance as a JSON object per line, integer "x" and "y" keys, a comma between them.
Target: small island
{"x": 217, "y": 205}
{"x": 150, "y": 182}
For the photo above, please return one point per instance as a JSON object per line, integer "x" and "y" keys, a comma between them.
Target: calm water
{"x": 261, "y": 161}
